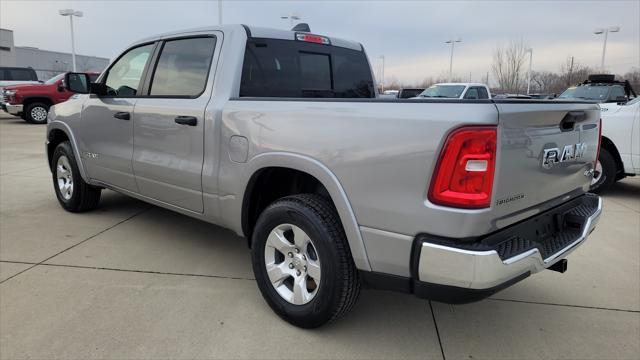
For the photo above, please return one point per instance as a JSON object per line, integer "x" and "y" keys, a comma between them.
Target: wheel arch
{"x": 31, "y": 99}
{"x": 608, "y": 145}
{"x": 58, "y": 132}
{"x": 313, "y": 170}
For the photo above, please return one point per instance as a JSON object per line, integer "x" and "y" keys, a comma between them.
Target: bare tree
{"x": 393, "y": 84}
{"x": 436, "y": 80}
{"x": 572, "y": 72}
{"x": 545, "y": 82}
{"x": 633, "y": 77}
{"x": 509, "y": 65}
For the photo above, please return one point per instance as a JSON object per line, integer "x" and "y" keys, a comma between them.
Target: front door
{"x": 169, "y": 124}
{"x": 106, "y": 124}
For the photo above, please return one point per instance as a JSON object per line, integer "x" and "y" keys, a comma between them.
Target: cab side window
{"x": 482, "y": 93}
{"x": 472, "y": 93}
{"x": 616, "y": 91}
{"x": 183, "y": 67}
{"x": 124, "y": 77}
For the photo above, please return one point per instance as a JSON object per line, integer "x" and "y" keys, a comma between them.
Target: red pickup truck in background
{"x": 32, "y": 101}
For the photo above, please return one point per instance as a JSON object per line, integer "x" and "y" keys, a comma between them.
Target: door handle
{"x": 186, "y": 120}
{"x": 122, "y": 115}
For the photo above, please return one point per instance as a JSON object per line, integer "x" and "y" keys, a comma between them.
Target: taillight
{"x": 595, "y": 163}
{"x": 464, "y": 173}
{"x": 313, "y": 38}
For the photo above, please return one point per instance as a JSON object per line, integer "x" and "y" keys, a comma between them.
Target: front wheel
{"x": 604, "y": 175}
{"x": 302, "y": 263}
{"x": 73, "y": 193}
{"x": 36, "y": 113}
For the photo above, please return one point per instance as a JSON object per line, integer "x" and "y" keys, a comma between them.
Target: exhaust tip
{"x": 560, "y": 266}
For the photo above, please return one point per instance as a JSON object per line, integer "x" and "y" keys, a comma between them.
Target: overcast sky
{"x": 411, "y": 34}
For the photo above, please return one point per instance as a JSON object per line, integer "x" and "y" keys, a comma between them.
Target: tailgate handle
{"x": 569, "y": 121}
{"x": 122, "y": 115}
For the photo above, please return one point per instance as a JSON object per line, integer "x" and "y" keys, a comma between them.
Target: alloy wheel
{"x": 597, "y": 174}
{"x": 64, "y": 175}
{"x": 39, "y": 113}
{"x": 292, "y": 264}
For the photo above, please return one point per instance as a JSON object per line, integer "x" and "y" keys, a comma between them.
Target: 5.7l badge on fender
{"x": 553, "y": 156}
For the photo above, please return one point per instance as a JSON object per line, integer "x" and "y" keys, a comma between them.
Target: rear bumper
{"x": 482, "y": 267}
{"x": 13, "y": 109}
{"x": 466, "y": 270}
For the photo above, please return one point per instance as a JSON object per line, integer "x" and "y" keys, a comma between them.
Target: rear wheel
{"x": 604, "y": 175}
{"x": 36, "y": 113}
{"x": 302, "y": 263}
{"x": 73, "y": 193}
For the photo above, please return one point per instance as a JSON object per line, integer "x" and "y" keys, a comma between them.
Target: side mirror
{"x": 77, "y": 82}
{"x": 61, "y": 85}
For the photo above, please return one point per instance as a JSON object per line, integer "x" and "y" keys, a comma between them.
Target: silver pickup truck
{"x": 278, "y": 135}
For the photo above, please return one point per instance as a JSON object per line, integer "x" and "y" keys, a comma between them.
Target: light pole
{"x": 452, "y": 42}
{"x": 382, "y": 74}
{"x": 219, "y": 12}
{"x": 71, "y": 13}
{"x": 606, "y": 32}
{"x": 292, "y": 17}
{"x": 530, "y": 51}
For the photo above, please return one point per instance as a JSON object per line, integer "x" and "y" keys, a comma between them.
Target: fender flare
{"x": 36, "y": 98}
{"x": 328, "y": 179}
{"x": 610, "y": 146}
{"x": 59, "y": 125}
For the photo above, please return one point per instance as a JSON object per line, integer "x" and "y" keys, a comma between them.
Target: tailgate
{"x": 546, "y": 152}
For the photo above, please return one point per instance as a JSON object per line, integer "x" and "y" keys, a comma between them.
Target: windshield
{"x": 586, "y": 92}
{"x": 54, "y": 79}
{"x": 443, "y": 91}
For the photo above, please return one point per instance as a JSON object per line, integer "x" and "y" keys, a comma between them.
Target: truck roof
{"x": 462, "y": 83}
{"x": 253, "y": 31}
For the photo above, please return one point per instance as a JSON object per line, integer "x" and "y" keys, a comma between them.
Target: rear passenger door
{"x": 169, "y": 122}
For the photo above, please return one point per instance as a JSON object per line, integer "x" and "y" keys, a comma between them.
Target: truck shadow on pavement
{"x": 629, "y": 188}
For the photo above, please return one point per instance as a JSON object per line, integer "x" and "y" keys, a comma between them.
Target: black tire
{"x": 609, "y": 172}
{"x": 340, "y": 283}
{"x": 84, "y": 197}
{"x": 33, "y": 113}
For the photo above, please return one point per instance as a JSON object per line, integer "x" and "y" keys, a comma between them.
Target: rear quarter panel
{"x": 381, "y": 153}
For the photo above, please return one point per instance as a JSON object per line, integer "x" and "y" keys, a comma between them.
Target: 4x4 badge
{"x": 90, "y": 155}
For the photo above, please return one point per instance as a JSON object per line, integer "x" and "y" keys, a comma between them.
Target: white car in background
{"x": 620, "y": 148}
{"x": 468, "y": 91}
{"x": 15, "y": 76}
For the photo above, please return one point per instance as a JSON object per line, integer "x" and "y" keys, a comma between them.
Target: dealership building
{"x": 46, "y": 63}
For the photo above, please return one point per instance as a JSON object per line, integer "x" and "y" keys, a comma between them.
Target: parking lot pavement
{"x": 131, "y": 280}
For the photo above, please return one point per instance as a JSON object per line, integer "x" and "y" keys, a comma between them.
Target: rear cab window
{"x": 297, "y": 69}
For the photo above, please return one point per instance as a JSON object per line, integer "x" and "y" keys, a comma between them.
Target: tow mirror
{"x": 77, "y": 82}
